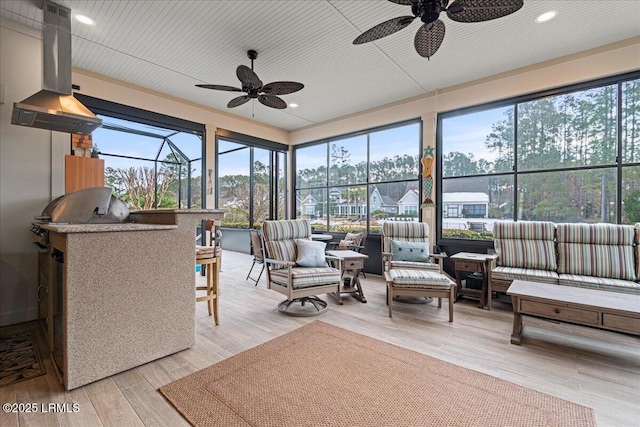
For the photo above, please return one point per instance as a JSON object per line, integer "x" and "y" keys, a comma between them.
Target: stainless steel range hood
{"x": 54, "y": 107}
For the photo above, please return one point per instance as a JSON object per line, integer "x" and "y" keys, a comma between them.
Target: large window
{"x": 150, "y": 166}
{"x": 354, "y": 182}
{"x": 251, "y": 180}
{"x": 568, "y": 156}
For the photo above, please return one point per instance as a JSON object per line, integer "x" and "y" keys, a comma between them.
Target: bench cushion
{"x": 419, "y": 279}
{"x": 599, "y": 250}
{"x": 303, "y": 277}
{"x": 515, "y": 273}
{"x": 637, "y": 227}
{"x": 525, "y": 244}
{"x": 603, "y": 284}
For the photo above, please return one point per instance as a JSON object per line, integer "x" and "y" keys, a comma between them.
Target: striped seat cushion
{"x": 303, "y": 277}
{"x": 604, "y": 284}
{"x": 600, "y": 250}
{"x": 281, "y": 250}
{"x": 515, "y": 273}
{"x": 419, "y": 279}
{"x": 637, "y": 227}
{"x": 279, "y": 238}
{"x": 286, "y": 229}
{"x": 205, "y": 250}
{"x": 404, "y": 232}
{"x": 413, "y": 264}
{"x": 525, "y": 244}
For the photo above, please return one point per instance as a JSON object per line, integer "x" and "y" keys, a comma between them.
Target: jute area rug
{"x": 323, "y": 375}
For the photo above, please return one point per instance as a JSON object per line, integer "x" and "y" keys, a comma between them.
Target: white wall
{"x": 29, "y": 158}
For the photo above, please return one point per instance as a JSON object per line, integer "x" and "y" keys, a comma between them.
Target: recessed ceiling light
{"x": 293, "y": 105}
{"x": 547, "y": 16}
{"x": 85, "y": 20}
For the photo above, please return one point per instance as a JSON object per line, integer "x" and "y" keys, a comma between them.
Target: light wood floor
{"x": 591, "y": 367}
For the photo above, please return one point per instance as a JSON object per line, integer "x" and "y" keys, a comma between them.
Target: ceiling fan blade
{"x": 221, "y": 87}
{"x": 482, "y": 10}
{"x": 248, "y": 77}
{"x": 238, "y": 101}
{"x": 282, "y": 88}
{"x": 384, "y": 29}
{"x": 429, "y": 38}
{"x": 272, "y": 101}
{"x": 404, "y": 2}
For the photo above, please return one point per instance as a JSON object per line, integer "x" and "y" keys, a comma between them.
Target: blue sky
{"x": 386, "y": 143}
{"x": 128, "y": 144}
{"x": 467, "y": 133}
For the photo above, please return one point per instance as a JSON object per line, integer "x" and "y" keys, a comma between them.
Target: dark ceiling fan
{"x": 254, "y": 88}
{"x": 430, "y": 35}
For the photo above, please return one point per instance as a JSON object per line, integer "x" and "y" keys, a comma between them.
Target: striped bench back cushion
{"x": 405, "y": 232}
{"x": 525, "y": 244}
{"x": 601, "y": 250}
{"x": 638, "y": 251}
{"x": 279, "y": 237}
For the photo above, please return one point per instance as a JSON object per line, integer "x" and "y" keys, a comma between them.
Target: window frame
{"x": 251, "y": 143}
{"x": 151, "y": 118}
{"x": 328, "y": 186}
{"x": 514, "y": 102}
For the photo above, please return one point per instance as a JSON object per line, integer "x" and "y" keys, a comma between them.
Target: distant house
{"x": 309, "y": 206}
{"x": 408, "y": 204}
{"x": 465, "y": 205}
{"x": 378, "y": 202}
{"x": 342, "y": 206}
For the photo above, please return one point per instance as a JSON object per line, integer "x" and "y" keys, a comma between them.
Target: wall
{"x": 32, "y": 160}
{"x": 29, "y": 160}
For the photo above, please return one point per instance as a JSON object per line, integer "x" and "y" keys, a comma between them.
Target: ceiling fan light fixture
{"x": 546, "y": 16}
{"x": 255, "y": 89}
{"x": 430, "y": 35}
{"x": 293, "y": 105}
{"x": 84, "y": 20}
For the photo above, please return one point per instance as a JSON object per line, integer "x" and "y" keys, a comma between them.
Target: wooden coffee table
{"x": 615, "y": 311}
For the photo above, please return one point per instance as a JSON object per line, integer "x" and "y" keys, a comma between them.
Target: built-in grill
{"x": 93, "y": 205}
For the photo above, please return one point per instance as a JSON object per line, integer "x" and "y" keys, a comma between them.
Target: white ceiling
{"x": 170, "y": 45}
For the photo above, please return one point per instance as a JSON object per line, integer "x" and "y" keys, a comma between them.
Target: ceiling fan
{"x": 254, "y": 88}
{"x": 430, "y": 35}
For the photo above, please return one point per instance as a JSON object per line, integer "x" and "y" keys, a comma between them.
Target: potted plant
{"x": 95, "y": 152}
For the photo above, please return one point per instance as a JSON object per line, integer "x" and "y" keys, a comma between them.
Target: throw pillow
{"x": 310, "y": 253}
{"x": 344, "y": 244}
{"x": 356, "y": 237}
{"x": 410, "y": 251}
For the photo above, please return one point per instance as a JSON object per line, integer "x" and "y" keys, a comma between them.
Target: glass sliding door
{"x": 251, "y": 183}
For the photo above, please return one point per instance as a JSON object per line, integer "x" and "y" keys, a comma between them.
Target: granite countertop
{"x": 180, "y": 211}
{"x": 104, "y": 228}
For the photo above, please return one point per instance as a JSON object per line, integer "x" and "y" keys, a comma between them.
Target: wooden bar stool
{"x": 205, "y": 257}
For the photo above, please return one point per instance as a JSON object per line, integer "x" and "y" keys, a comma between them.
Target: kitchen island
{"x": 124, "y": 294}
